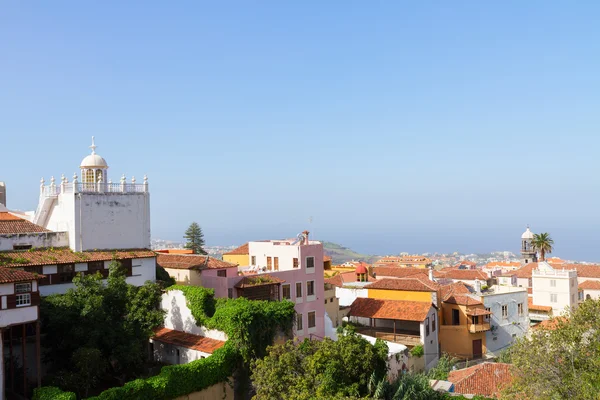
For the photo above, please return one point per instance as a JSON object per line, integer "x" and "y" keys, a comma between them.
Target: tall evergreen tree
{"x": 195, "y": 239}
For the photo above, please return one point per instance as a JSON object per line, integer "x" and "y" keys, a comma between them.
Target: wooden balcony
{"x": 479, "y": 327}
{"x": 406, "y": 338}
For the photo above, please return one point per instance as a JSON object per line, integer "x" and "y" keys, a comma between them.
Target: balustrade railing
{"x": 99, "y": 187}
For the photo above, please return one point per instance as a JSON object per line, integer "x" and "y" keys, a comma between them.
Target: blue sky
{"x": 431, "y": 126}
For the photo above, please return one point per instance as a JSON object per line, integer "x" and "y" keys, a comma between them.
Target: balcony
{"x": 405, "y": 338}
{"x": 478, "y": 327}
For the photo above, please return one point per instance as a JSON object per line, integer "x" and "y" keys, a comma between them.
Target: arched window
{"x": 88, "y": 176}
{"x": 99, "y": 175}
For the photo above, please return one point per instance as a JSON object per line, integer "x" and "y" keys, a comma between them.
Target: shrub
{"x": 417, "y": 351}
{"x": 52, "y": 393}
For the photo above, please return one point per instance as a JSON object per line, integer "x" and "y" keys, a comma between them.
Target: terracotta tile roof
{"x": 187, "y": 340}
{"x": 551, "y": 324}
{"x": 590, "y": 285}
{"x": 191, "y": 261}
{"x": 340, "y": 279}
{"x": 584, "y": 270}
{"x": 390, "y": 309}
{"x": 502, "y": 264}
{"x": 258, "y": 280}
{"x": 525, "y": 271}
{"x": 243, "y": 250}
{"x": 408, "y": 284}
{"x": 462, "y": 300}
{"x": 535, "y": 307}
{"x": 326, "y": 258}
{"x": 474, "y": 312}
{"x": 461, "y": 274}
{"x": 9, "y": 275}
{"x": 486, "y": 379}
{"x": 61, "y": 255}
{"x": 399, "y": 272}
{"x": 456, "y": 288}
{"x": 11, "y": 224}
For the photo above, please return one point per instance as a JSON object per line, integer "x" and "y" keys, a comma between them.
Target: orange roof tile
{"x": 408, "y": 284}
{"x": 240, "y": 251}
{"x": 551, "y": 324}
{"x": 502, "y": 264}
{"x": 462, "y": 300}
{"x": 590, "y": 285}
{"x": 398, "y": 272}
{"x": 536, "y": 307}
{"x": 340, "y": 279}
{"x": 191, "y": 261}
{"x": 525, "y": 271}
{"x": 461, "y": 274}
{"x": 11, "y": 224}
{"x": 9, "y": 275}
{"x": 390, "y": 309}
{"x": 187, "y": 340}
{"x": 454, "y": 288}
{"x": 486, "y": 379}
{"x": 53, "y": 256}
{"x": 584, "y": 270}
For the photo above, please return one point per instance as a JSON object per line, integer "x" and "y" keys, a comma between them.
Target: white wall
{"x": 504, "y": 328}
{"x": 6, "y": 289}
{"x": 44, "y": 239}
{"x": 594, "y": 294}
{"x": 19, "y": 315}
{"x": 285, "y": 254}
{"x": 565, "y": 290}
{"x": 143, "y": 269}
{"x": 166, "y": 352}
{"x": 179, "y": 317}
{"x": 348, "y": 295}
{"x": 431, "y": 342}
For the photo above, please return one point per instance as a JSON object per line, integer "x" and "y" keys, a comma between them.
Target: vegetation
{"x": 320, "y": 369}
{"x": 542, "y": 243}
{"x": 405, "y": 387}
{"x": 194, "y": 238}
{"x": 443, "y": 368}
{"x": 97, "y": 330}
{"x": 340, "y": 254}
{"x": 163, "y": 278}
{"x": 562, "y": 362}
{"x": 417, "y": 351}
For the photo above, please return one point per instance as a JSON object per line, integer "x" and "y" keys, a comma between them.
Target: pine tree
{"x": 195, "y": 239}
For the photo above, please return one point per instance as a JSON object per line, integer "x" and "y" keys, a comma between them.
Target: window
{"x": 504, "y": 311}
{"x": 127, "y": 266}
{"x": 269, "y": 263}
{"x": 22, "y": 246}
{"x": 553, "y": 282}
{"x": 520, "y": 308}
{"x": 426, "y": 326}
{"x": 310, "y": 288}
{"x": 553, "y": 298}
{"x": 433, "y": 324}
{"x": 455, "y": 317}
{"x": 23, "y": 299}
{"x": 312, "y": 319}
{"x": 253, "y": 262}
{"x": 66, "y": 273}
{"x": 222, "y": 273}
{"x": 488, "y": 309}
{"x": 230, "y": 293}
{"x": 295, "y": 263}
{"x": 299, "y": 290}
{"x": 276, "y": 260}
{"x": 23, "y": 287}
{"x": 286, "y": 291}
{"x": 310, "y": 262}
{"x": 298, "y": 322}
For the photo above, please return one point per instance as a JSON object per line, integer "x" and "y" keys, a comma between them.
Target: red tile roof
{"x": 502, "y": 264}
{"x": 191, "y": 261}
{"x": 590, "y": 285}
{"x": 584, "y": 271}
{"x": 390, "y": 309}
{"x": 461, "y": 274}
{"x": 11, "y": 224}
{"x": 9, "y": 275}
{"x": 486, "y": 379}
{"x": 462, "y": 300}
{"x": 53, "y": 256}
{"x": 399, "y": 272}
{"x": 243, "y": 250}
{"x": 340, "y": 279}
{"x": 536, "y": 307}
{"x": 551, "y": 324}
{"x": 408, "y": 284}
{"x": 187, "y": 340}
{"x": 525, "y": 271}
{"x": 455, "y": 288}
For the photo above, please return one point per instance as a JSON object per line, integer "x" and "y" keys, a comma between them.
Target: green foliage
{"x": 114, "y": 319}
{"x": 417, "y": 351}
{"x": 543, "y": 243}
{"x": 443, "y": 368}
{"x": 319, "y": 369}
{"x": 89, "y": 367}
{"x": 560, "y": 363}
{"x": 163, "y": 278}
{"x": 194, "y": 238}
{"x": 406, "y": 387}
{"x": 505, "y": 356}
{"x": 52, "y": 393}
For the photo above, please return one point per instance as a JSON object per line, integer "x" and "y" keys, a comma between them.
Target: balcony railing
{"x": 403, "y": 338}
{"x": 100, "y": 187}
{"x": 479, "y": 327}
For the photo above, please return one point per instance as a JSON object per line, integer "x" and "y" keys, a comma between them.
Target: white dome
{"x": 527, "y": 234}
{"x": 95, "y": 161}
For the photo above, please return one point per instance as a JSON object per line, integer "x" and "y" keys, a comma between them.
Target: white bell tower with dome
{"x": 94, "y": 168}
{"x": 528, "y": 253}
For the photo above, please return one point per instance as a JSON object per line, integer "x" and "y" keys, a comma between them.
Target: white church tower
{"x": 97, "y": 213}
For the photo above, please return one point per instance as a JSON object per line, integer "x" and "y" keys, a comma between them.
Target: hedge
{"x": 52, "y": 393}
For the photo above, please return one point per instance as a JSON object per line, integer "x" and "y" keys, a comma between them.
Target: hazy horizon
{"x": 414, "y": 127}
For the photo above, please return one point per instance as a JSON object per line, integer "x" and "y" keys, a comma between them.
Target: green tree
{"x": 319, "y": 369}
{"x": 543, "y": 243}
{"x": 195, "y": 238}
{"x": 405, "y": 387}
{"x": 114, "y": 318}
{"x": 443, "y": 368}
{"x": 560, "y": 363}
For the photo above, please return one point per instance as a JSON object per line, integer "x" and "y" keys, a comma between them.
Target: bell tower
{"x": 528, "y": 253}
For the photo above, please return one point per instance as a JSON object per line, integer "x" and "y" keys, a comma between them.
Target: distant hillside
{"x": 340, "y": 254}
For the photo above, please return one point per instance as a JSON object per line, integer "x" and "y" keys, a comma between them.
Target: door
{"x": 276, "y": 260}
{"x": 477, "y": 348}
{"x": 455, "y": 317}
{"x": 269, "y": 263}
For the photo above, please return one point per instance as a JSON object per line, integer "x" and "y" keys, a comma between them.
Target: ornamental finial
{"x": 93, "y": 146}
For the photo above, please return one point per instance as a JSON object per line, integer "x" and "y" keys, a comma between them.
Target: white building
{"x": 555, "y": 288}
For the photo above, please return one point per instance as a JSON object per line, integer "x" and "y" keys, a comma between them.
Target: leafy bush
{"x": 52, "y": 393}
{"x": 417, "y": 351}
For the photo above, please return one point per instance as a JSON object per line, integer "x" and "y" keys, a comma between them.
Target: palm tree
{"x": 542, "y": 242}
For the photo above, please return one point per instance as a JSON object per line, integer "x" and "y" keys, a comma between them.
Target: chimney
{"x": 305, "y": 233}
{"x": 431, "y": 274}
{"x": 477, "y": 286}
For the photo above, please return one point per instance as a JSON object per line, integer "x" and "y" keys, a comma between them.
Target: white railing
{"x": 556, "y": 272}
{"x": 100, "y": 187}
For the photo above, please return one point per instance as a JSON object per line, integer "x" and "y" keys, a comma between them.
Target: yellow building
{"x": 239, "y": 256}
{"x": 464, "y": 323}
{"x": 410, "y": 289}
